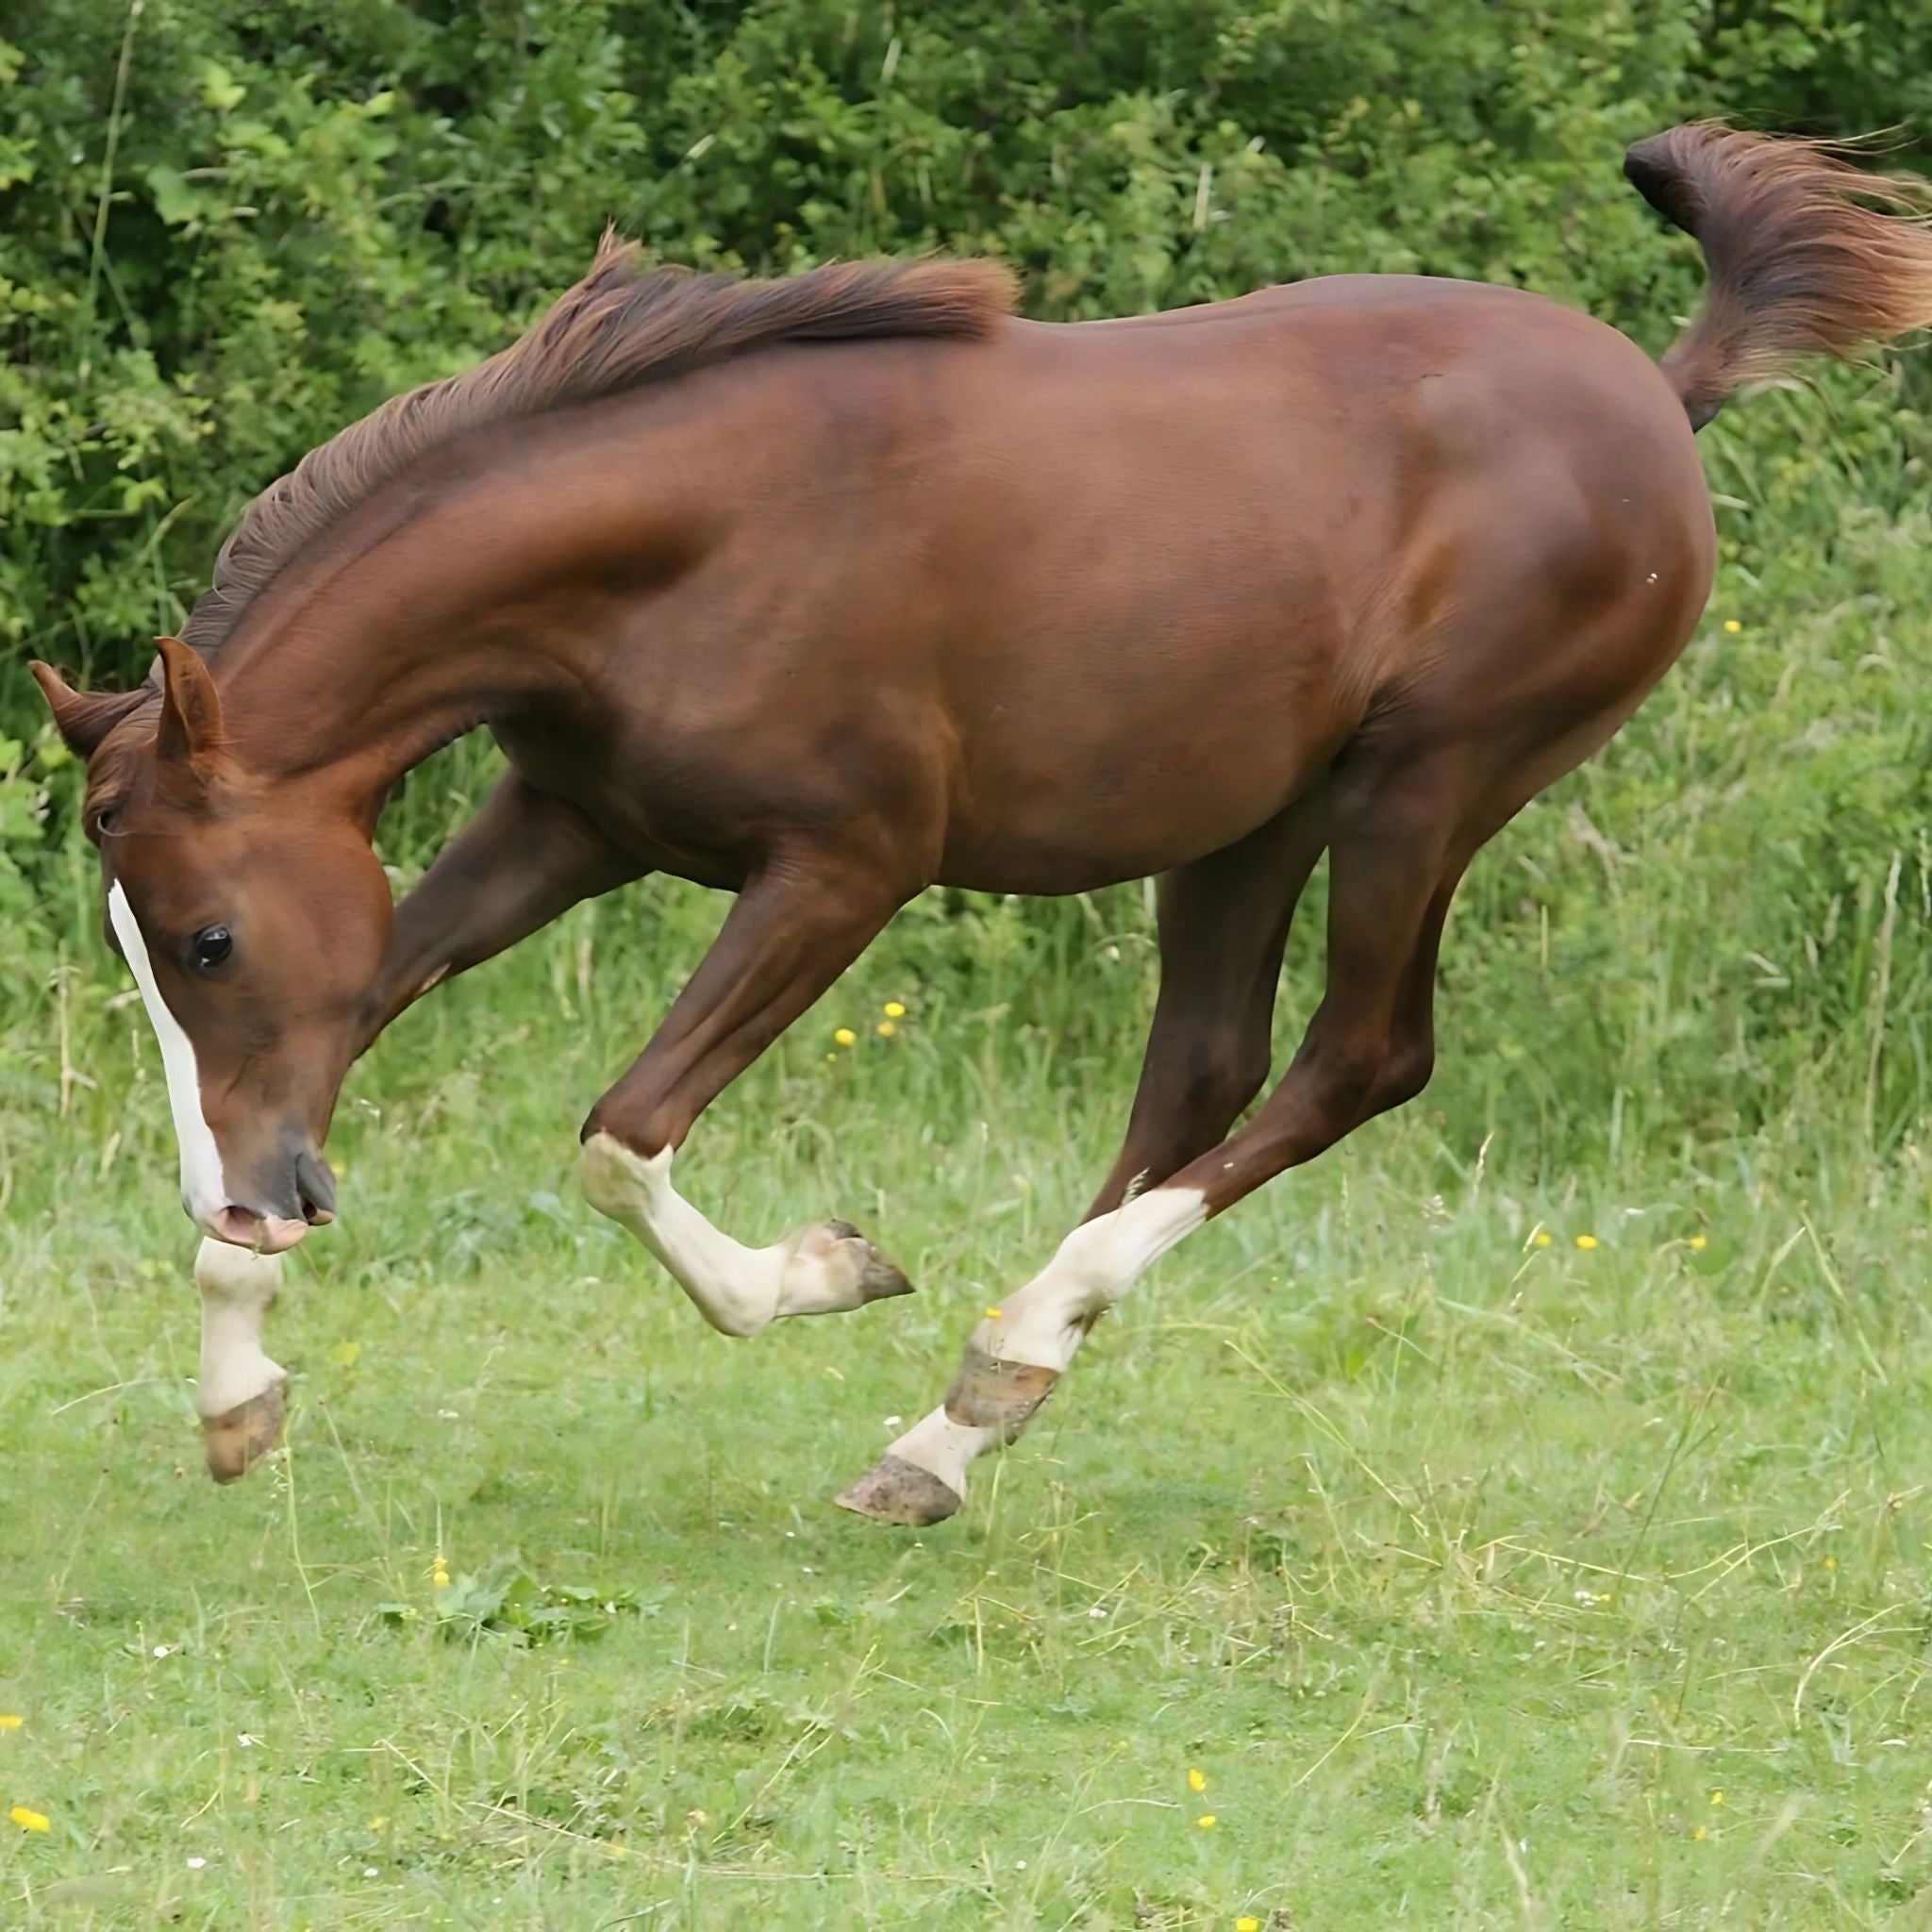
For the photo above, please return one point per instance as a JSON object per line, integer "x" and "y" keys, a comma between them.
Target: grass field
{"x": 1483, "y": 1580}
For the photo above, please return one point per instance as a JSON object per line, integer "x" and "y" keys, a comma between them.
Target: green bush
{"x": 225, "y": 228}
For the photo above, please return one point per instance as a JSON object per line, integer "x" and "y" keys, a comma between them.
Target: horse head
{"x": 254, "y": 919}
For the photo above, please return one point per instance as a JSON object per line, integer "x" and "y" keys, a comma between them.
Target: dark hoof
{"x": 235, "y": 1442}
{"x": 991, "y": 1394}
{"x": 898, "y": 1492}
{"x": 878, "y": 1278}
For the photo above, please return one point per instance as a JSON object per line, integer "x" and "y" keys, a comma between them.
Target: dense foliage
{"x": 227, "y": 226}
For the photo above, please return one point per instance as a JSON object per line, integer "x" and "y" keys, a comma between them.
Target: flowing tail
{"x": 1807, "y": 254}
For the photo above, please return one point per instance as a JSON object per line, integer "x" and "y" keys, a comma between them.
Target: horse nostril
{"x": 316, "y": 1187}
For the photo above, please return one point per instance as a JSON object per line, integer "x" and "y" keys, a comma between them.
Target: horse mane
{"x": 620, "y": 329}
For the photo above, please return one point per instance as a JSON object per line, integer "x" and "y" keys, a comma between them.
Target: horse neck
{"x": 403, "y": 633}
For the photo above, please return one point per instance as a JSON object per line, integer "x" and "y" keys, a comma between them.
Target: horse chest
{"x": 638, "y": 796}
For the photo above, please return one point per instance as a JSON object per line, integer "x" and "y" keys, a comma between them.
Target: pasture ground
{"x": 1482, "y": 1581}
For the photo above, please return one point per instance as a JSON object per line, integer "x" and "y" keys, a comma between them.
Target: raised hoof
{"x": 878, "y": 1278}
{"x": 237, "y": 1441}
{"x": 992, "y": 1394}
{"x": 900, "y": 1491}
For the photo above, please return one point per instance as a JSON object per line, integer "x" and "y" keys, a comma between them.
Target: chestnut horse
{"x": 824, "y": 590}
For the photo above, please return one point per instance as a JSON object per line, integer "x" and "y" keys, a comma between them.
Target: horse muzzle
{"x": 310, "y": 1190}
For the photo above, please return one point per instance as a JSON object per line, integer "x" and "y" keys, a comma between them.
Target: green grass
{"x": 1467, "y": 1569}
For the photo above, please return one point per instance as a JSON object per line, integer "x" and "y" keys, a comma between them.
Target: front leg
{"x": 526, "y": 856}
{"x": 793, "y": 929}
{"x": 240, "y": 1392}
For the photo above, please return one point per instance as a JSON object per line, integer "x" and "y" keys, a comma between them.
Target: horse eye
{"x": 212, "y": 944}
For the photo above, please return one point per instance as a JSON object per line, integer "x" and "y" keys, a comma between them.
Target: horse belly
{"x": 1102, "y": 765}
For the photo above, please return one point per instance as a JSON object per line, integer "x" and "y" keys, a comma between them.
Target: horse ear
{"x": 84, "y": 718}
{"x": 191, "y": 727}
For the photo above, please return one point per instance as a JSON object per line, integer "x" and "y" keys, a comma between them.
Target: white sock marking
{"x": 204, "y": 1191}
{"x": 943, "y": 1447}
{"x": 1048, "y": 1319}
{"x": 737, "y": 1290}
{"x": 238, "y": 1287}
{"x": 1045, "y": 1322}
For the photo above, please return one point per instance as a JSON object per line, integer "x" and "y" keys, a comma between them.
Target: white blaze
{"x": 204, "y": 1191}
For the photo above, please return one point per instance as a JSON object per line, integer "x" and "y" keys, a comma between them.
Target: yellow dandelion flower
{"x": 895, "y": 1010}
{"x": 1830, "y": 1563}
{"x": 29, "y": 1820}
{"x": 9, "y": 1721}
{"x": 1586, "y": 1241}
{"x": 1247, "y": 1922}
{"x": 1541, "y": 1238}
{"x": 1732, "y": 625}
{"x": 347, "y": 1353}
{"x": 379, "y": 1823}
{"x": 886, "y": 1028}
{"x": 1700, "y": 1834}
{"x": 1717, "y": 1798}
{"x": 992, "y": 1314}
{"x": 1205, "y": 1820}
{"x": 846, "y": 1037}
{"x": 1197, "y": 1781}
{"x": 1697, "y": 1243}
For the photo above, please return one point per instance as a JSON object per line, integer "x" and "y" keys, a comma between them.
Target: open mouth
{"x": 267, "y": 1234}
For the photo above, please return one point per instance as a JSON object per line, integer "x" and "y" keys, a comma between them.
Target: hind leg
{"x": 1394, "y": 823}
{"x": 1404, "y": 824}
{"x": 1224, "y": 922}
